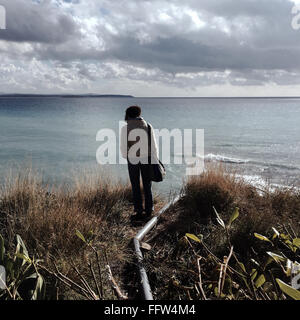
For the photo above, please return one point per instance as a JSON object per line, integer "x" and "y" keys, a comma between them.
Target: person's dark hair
{"x": 133, "y": 112}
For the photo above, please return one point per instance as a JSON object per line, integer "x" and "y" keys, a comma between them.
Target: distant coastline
{"x": 91, "y": 95}
{"x": 20, "y": 95}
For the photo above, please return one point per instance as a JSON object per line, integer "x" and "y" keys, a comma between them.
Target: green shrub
{"x": 23, "y": 280}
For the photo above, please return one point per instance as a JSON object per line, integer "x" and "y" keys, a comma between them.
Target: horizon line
{"x": 96, "y": 95}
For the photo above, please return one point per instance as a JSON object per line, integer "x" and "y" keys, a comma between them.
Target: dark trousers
{"x": 135, "y": 171}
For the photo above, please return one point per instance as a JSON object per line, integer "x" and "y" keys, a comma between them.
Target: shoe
{"x": 136, "y": 217}
{"x": 149, "y": 213}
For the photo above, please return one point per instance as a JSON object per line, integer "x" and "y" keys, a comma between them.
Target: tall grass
{"x": 174, "y": 265}
{"x": 189, "y": 238}
{"x": 47, "y": 217}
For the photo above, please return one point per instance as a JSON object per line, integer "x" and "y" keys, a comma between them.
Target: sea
{"x": 258, "y": 138}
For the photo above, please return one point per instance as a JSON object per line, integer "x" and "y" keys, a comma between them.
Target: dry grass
{"x": 47, "y": 219}
{"x": 259, "y": 211}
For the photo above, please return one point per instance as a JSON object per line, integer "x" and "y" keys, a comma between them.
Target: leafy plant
{"x": 264, "y": 277}
{"x": 23, "y": 281}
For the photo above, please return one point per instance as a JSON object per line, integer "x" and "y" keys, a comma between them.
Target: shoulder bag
{"x": 157, "y": 170}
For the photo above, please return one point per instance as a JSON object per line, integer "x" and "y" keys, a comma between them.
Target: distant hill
{"x": 90, "y": 95}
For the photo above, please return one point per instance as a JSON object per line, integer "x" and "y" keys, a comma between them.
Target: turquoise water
{"x": 257, "y": 137}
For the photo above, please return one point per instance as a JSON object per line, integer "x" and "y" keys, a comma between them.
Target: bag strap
{"x": 149, "y": 144}
{"x": 149, "y": 139}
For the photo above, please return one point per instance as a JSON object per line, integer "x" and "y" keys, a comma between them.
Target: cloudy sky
{"x": 151, "y": 48}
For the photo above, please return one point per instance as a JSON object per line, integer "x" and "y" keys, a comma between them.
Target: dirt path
{"x": 130, "y": 275}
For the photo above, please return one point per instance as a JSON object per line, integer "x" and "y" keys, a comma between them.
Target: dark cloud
{"x": 33, "y": 22}
{"x": 180, "y": 55}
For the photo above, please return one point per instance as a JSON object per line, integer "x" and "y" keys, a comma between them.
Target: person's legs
{"x": 147, "y": 185}
{"x": 134, "y": 175}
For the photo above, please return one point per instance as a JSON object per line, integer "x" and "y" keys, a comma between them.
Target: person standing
{"x": 136, "y": 148}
